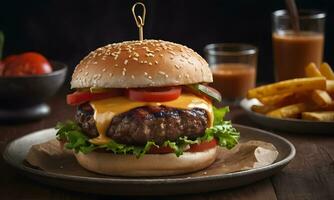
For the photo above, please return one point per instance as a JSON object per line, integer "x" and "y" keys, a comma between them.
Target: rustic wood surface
{"x": 309, "y": 176}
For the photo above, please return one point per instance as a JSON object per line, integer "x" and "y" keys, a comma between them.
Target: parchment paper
{"x": 51, "y": 157}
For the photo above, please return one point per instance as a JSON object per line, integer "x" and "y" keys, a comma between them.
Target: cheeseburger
{"x": 144, "y": 109}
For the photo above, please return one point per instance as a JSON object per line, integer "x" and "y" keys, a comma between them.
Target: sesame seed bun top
{"x": 147, "y": 63}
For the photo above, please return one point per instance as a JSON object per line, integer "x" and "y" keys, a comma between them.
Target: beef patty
{"x": 147, "y": 123}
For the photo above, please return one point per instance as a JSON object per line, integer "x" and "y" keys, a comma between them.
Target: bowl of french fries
{"x": 299, "y": 105}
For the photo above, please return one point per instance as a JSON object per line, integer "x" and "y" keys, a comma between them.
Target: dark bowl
{"x": 22, "y": 98}
{"x": 28, "y": 91}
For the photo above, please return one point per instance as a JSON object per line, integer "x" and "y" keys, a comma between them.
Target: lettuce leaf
{"x": 222, "y": 131}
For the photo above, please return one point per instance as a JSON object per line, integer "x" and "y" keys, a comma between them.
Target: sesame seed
{"x": 94, "y": 63}
{"x": 150, "y": 55}
{"x": 97, "y": 76}
{"x": 161, "y": 72}
{"x": 141, "y": 62}
{"x": 110, "y": 74}
{"x": 132, "y": 76}
{"x": 116, "y": 65}
{"x": 160, "y": 55}
{"x": 134, "y": 58}
{"x": 180, "y": 76}
{"x": 126, "y": 62}
{"x": 86, "y": 73}
{"x": 156, "y": 62}
{"x": 145, "y": 73}
{"x": 150, "y": 63}
{"x": 177, "y": 67}
{"x": 171, "y": 52}
{"x": 145, "y": 61}
{"x": 149, "y": 77}
{"x": 104, "y": 69}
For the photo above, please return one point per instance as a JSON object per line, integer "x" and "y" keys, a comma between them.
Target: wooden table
{"x": 309, "y": 176}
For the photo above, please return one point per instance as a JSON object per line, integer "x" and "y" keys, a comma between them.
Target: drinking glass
{"x": 233, "y": 66}
{"x": 294, "y": 50}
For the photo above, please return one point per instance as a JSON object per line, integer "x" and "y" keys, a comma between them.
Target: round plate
{"x": 288, "y": 124}
{"x": 17, "y": 150}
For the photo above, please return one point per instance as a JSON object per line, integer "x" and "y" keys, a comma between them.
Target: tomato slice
{"x": 203, "y": 146}
{"x": 79, "y": 97}
{"x": 160, "y": 150}
{"x": 193, "y": 148}
{"x": 155, "y": 94}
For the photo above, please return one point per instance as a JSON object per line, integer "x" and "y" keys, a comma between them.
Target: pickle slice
{"x": 207, "y": 91}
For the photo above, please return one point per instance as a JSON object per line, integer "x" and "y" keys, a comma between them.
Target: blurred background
{"x": 68, "y": 30}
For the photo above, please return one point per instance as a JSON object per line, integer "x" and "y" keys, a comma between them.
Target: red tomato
{"x": 29, "y": 63}
{"x": 155, "y": 94}
{"x": 160, "y": 150}
{"x": 9, "y": 59}
{"x": 203, "y": 146}
{"x": 193, "y": 148}
{"x": 2, "y": 67}
{"x": 4, "y": 62}
{"x": 78, "y": 98}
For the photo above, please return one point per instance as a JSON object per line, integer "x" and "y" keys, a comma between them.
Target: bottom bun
{"x": 148, "y": 164}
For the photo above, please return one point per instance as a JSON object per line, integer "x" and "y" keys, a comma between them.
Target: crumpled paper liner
{"x": 51, "y": 157}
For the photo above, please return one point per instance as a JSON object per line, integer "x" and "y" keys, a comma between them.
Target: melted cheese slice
{"x": 106, "y": 109}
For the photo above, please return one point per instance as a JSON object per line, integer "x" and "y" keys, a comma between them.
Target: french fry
{"x": 330, "y": 86}
{"x": 319, "y": 116}
{"x": 326, "y": 71}
{"x": 290, "y": 111}
{"x": 321, "y": 98}
{"x": 311, "y": 70}
{"x": 329, "y": 107}
{"x": 275, "y": 99}
{"x": 263, "y": 109}
{"x": 310, "y": 98}
{"x": 288, "y": 86}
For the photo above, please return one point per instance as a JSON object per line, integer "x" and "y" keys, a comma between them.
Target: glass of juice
{"x": 294, "y": 50}
{"x": 234, "y": 69}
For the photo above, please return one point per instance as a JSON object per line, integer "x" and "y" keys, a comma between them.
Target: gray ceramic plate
{"x": 17, "y": 150}
{"x": 287, "y": 125}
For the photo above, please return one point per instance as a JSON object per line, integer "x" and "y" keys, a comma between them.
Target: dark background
{"x": 67, "y": 30}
